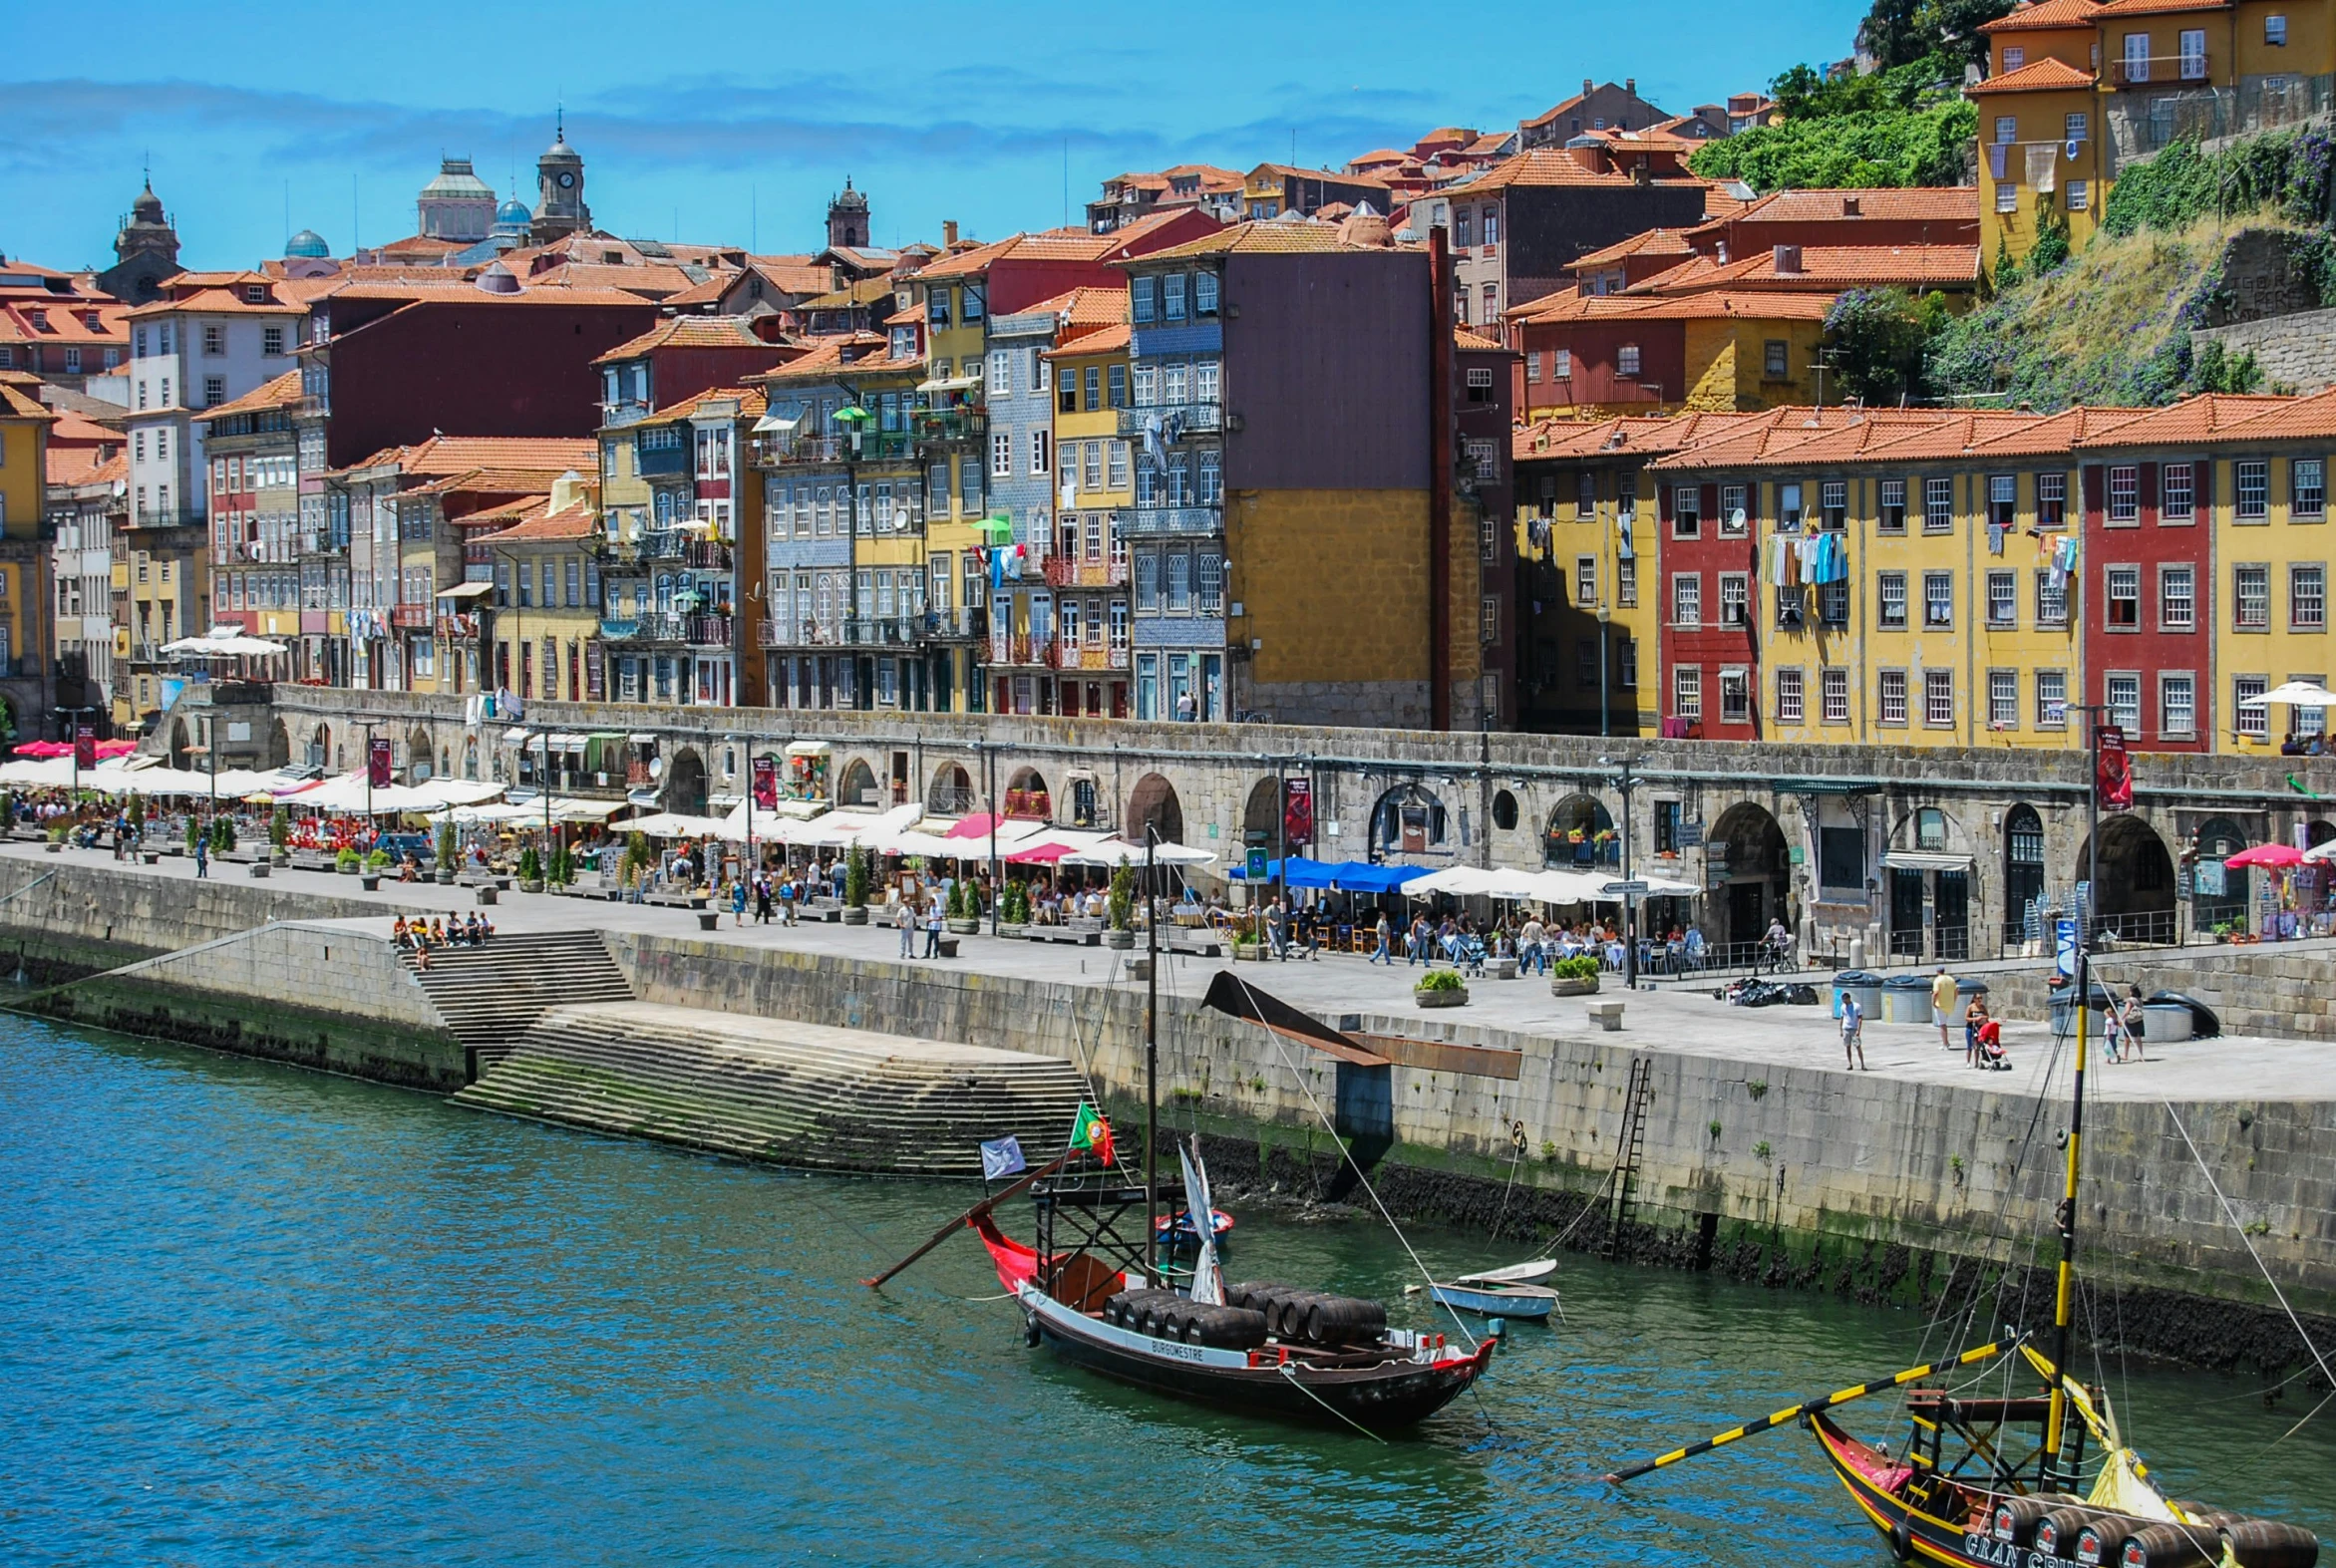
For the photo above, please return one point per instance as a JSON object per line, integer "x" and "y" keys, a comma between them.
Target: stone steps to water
{"x": 790, "y": 1093}
{"x": 491, "y": 995}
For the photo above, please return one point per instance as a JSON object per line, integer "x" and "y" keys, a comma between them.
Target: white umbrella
{"x": 2300, "y": 694}
{"x": 222, "y": 642}
{"x": 679, "y": 824}
{"x": 1118, "y": 852}
{"x": 1461, "y": 882}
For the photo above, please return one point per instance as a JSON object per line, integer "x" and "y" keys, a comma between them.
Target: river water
{"x": 251, "y": 1315}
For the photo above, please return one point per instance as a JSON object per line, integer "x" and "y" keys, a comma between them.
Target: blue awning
{"x": 1352, "y": 876}
{"x": 1302, "y": 873}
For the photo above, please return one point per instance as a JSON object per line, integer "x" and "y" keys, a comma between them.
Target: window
{"x": 1479, "y": 384}
{"x": 1734, "y": 598}
{"x": 2007, "y": 196}
{"x": 1177, "y": 600}
{"x": 1938, "y": 598}
{"x": 1733, "y": 516}
{"x": 1687, "y": 600}
{"x": 2123, "y": 592}
{"x": 2080, "y": 196}
{"x": 1890, "y": 697}
{"x": 1735, "y": 696}
{"x": 2194, "y": 54}
{"x": 1041, "y": 452}
{"x": 1488, "y": 619}
{"x": 1532, "y": 367}
{"x": 2178, "y": 497}
{"x": 1147, "y": 385}
{"x": 2251, "y": 597}
{"x": 2177, "y": 706}
{"x": 1788, "y": 507}
{"x": 1490, "y": 294}
{"x": 1894, "y": 506}
{"x": 1686, "y": 511}
{"x": 1210, "y": 568}
{"x": 1791, "y": 694}
{"x": 2254, "y": 489}
{"x": 1171, "y": 297}
{"x": 1585, "y": 496}
{"x": 2252, "y": 722}
{"x": 2275, "y": 30}
{"x": 1119, "y": 385}
{"x": 2052, "y": 501}
{"x": 1775, "y": 360}
{"x": 2003, "y": 492}
{"x": 1143, "y": 294}
{"x": 1938, "y": 697}
{"x": 2307, "y": 598}
{"x": 1585, "y": 581}
{"x": 1833, "y": 696}
{"x": 2124, "y": 695}
{"x": 215, "y": 391}
{"x": 1561, "y": 364}
{"x": 2052, "y": 599}
{"x": 2003, "y": 700}
{"x": 2177, "y": 598}
{"x": 2007, "y": 129}
{"x": 1626, "y": 583}
{"x": 1833, "y": 602}
{"x": 2003, "y": 596}
{"x": 271, "y": 341}
{"x": 2307, "y": 488}
{"x": 1626, "y": 360}
{"x": 1834, "y": 505}
{"x": 1461, "y": 227}
{"x": 1090, "y": 466}
{"x": 2052, "y": 699}
{"x": 2013, "y": 58}
{"x": 214, "y": 339}
{"x": 1146, "y": 582}
{"x": 1001, "y": 454}
{"x": 2137, "y": 57}
{"x": 1938, "y": 506}
{"x": 1687, "y": 692}
{"x": 1626, "y": 672}
{"x": 1117, "y": 456}
{"x": 1890, "y": 597}
{"x": 1204, "y": 293}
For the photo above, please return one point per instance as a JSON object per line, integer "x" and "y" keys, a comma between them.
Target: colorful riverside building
{"x": 26, "y": 689}
{"x": 2078, "y": 90}
{"x": 1098, "y": 486}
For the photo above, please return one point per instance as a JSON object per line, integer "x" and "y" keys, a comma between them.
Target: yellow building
{"x": 1098, "y": 486}
{"x": 25, "y": 687}
{"x": 550, "y": 620}
{"x": 953, "y": 434}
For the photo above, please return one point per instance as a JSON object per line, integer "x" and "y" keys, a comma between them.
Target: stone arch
{"x": 1409, "y": 820}
{"x": 2317, "y": 832}
{"x": 1754, "y": 881}
{"x": 856, "y": 787}
{"x": 471, "y": 758}
{"x": 2217, "y": 839}
{"x": 1262, "y": 811}
{"x": 2134, "y": 893}
{"x": 1929, "y": 901}
{"x": 320, "y": 746}
{"x": 2023, "y": 864}
{"x": 685, "y": 782}
{"x": 1154, "y": 804}
{"x": 1579, "y": 834}
{"x": 1026, "y": 795}
{"x": 178, "y": 743}
{"x": 279, "y": 745}
{"x": 418, "y": 755}
{"x": 951, "y": 792}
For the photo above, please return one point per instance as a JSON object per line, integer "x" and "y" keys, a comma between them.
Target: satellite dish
{"x": 656, "y": 767}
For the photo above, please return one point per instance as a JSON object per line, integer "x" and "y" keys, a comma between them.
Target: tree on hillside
{"x": 1877, "y": 341}
{"x": 1900, "y": 32}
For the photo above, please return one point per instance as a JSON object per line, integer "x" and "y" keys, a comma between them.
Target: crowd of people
{"x": 423, "y": 934}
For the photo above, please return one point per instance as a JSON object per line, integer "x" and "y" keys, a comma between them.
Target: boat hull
{"x": 1380, "y": 1399}
{"x": 1524, "y": 1302}
{"x": 1913, "y": 1535}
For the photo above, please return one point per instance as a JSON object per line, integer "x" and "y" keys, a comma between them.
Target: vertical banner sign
{"x": 377, "y": 762}
{"x": 765, "y": 783}
{"x": 85, "y": 747}
{"x": 1297, "y": 811}
{"x": 2116, "y": 780}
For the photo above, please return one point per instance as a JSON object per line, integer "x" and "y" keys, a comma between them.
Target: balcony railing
{"x": 780, "y": 452}
{"x": 663, "y": 544}
{"x": 806, "y": 633}
{"x": 411, "y": 617}
{"x": 459, "y": 628}
{"x": 658, "y": 462}
{"x": 707, "y": 554}
{"x": 1064, "y": 572}
{"x": 2159, "y": 71}
{"x": 1187, "y": 520}
{"x": 944, "y": 427}
{"x": 1177, "y": 420}
{"x": 660, "y": 626}
{"x": 893, "y": 631}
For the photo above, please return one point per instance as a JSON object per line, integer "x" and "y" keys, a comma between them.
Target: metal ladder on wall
{"x": 1632, "y": 1143}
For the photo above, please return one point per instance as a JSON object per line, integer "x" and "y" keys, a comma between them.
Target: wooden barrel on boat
{"x": 2168, "y": 1546}
{"x": 2058, "y": 1531}
{"x": 2014, "y": 1519}
{"x": 2268, "y": 1544}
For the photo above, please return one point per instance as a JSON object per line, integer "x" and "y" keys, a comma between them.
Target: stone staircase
{"x": 796, "y": 1095}
{"x": 490, "y": 995}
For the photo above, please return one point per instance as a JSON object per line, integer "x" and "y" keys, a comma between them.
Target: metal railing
{"x": 707, "y": 555}
{"x": 1177, "y": 420}
{"x": 2160, "y": 71}
{"x": 883, "y": 631}
{"x": 708, "y": 631}
{"x": 411, "y": 617}
{"x": 1185, "y": 520}
{"x": 1063, "y": 571}
{"x": 658, "y": 626}
{"x": 941, "y": 426}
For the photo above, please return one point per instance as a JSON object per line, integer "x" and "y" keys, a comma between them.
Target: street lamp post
{"x": 1627, "y": 781}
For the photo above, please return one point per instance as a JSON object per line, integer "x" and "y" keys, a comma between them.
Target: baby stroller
{"x": 1472, "y": 954}
{"x": 1992, "y": 1056}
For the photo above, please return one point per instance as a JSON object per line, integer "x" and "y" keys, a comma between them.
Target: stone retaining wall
{"x": 2297, "y": 349}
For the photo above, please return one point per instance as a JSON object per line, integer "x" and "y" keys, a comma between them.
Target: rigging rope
{"x": 1289, "y": 1375}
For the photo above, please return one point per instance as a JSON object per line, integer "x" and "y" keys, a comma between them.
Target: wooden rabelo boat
{"x": 1098, "y": 1286}
{"x": 1964, "y": 1489}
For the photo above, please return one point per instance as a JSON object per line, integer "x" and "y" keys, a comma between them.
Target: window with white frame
{"x": 2080, "y": 196}
{"x": 1687, "y": 600}
{"x": 1894, "y": 506}
{"x": 1734, "y": 509}
{"x": 2003, "y": 698}
{"x": 1001, "y": 454}
{"x": 1938, "y": 697}
{"x": 2052, "y": 699}
{"x": 1890, "y": 697}
{"x": 2307, "y": 597}
{"x": 1585, "y": 581}
{"x": 2122, "y": 693}
{"x": 1561, "y": 364}
{"x": 1489, "y": 618}
{"x": 2007, "y": 196}
{"x": 1626, "y": 360}
{"x": 1734, "y": 696}
{"x": 2255, "y": 488}
{"x": 1687, "y": 692}
{"x": 2177, "y": 598}
{"x": 2177, "y": 493}
{"x": 2177, "y": 706}
{"x": 1938, "y": 506}
{"x": 2194, "y": 54}
{"x": 2003, "y": 494}
{"x": 1832, "y": 695}
{"x": 2124, "y": 494}
{"x": 2307, "y": 488}
{"x": 1734, "y": 598}
{"x": 1939, "y": 599}
{"x": 2122, "y": 587}
{"x": 1791, "y": 696}
{"x": 1686, "y": 511}
{"x": 2251, "y": 597}
{"x": 2052, "y": 599}
{"x": 1833, "y": 505}
{"x": 2003, "y": 599}
{"x": 1890, "y": 600}
{"x": 2007, "y": 129}
{"x": 2252, "y": 721}
{"x": 1042, "y": 453}
{"x": 1117, "y": 455}
{"x": 2275, "y": 30}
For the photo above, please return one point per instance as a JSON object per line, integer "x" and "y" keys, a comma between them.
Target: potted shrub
{"x": 530, "y": 870}
{"x": 1122, "y": 907}
{"x": 963, "y": 915}
{"x": 448, "y": 854}
{"x": 279, "y": 837}
{"x": 858, "y": 873}
{"x": 346, "y": 862}
{"x": 1441, "y": 987}
{"x": 1573, "y": 977}
{"x": 369, "y": 874}
{"x": 1014, "y": 912}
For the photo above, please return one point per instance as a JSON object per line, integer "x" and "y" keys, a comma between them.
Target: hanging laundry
{"x": 1995, "y": 532}
{"x": 2043, "y": 161}
{"x": 1624, "y": 545}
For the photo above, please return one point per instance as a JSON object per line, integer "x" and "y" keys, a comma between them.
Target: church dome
{"x": 850, "y": 199}
{"x": 457, "y": 180}
{"x": 147, "y": 206}
{"x": 308, "y": 243}
{"x": 512, "y": 217}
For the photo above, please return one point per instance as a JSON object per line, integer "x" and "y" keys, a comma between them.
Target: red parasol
{"x": 2274, "y": 856}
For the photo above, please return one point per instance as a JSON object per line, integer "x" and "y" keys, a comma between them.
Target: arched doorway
{"x": 2316, "y": 833}
{"x": 2218, "y": 896}
{"x": 1026, "y": 796}
{"x": 178, "y": 743}
{"x": 320, "y": 746}
{"x": 1750, "y": 848}
{"x": 279, "y": 745}
{"x": 858, "y": 790}
{"x": 951, "y": 793}
{"x": 2023, "y": 872}
{"x": 1154, "y": 806}
{"x": 1929, "y": 863}
{"x": 1408, "y": 820}
{"x": 418, "y": 756}
{"x": 470, "y": 758}
{"x": 1580, "y": 834}
{"x": 2133, "y": 882}
{"x": 685, "y": 783}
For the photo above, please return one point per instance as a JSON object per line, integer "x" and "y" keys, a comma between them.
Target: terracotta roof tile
{"x": 1892, "y": 204}
{"x": 553, "y": 527}
{"x": 1711, "y": 305}
{"x": 2220, "y": 417}
{"x": 1112, "y": 339}
{"x": 2047, "y": 14}
{"x": 1543, "y": 165}
{"x": 751, "y": 402}
{"x": 283, "y": 391}
{"x": 2116, "y": 10}
{"x": 1834, "y": 267}
{"x": 1260, "y": 239}
{"x": 1654, "y": 242}
{"x": 688, "y": 331}
{"x": 2046, "y": 75}
{"x": 1466, "y": 337}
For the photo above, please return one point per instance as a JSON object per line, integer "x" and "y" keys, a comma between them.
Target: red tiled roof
{"x": 2047, "y": 14}
{"x": 1466, "y": 337}
{"x": 2210, "y": 416}
{"x": 2116, "y": 10}
{"x": 1562, "y": 439}
{"x": 283, "y": 391}
{"x": 2046, "y": 75}
{"x": 1112, "y": 339}
{"x": 751, "y": 402}
{"x": 688, "y": 331}
{"x": 1892, "y": 204}
{"x": 1543, "y": 165}
{"x": 1654, "y": 242}
{"x": 1259, "y": 237}
{"x": 1833, "y": 267}
{"x": 2312, "y": 417}
{"x": 1712, "y": 305}
{"x": 441, "y": 456}
{"x": 576, "y": 523}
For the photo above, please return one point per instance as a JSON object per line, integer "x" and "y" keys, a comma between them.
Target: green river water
{"x": 253, "y": 1316}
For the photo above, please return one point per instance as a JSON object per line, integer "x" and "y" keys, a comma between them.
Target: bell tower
{"x": 848, "y": 222}
{"x": 559, "y": 186}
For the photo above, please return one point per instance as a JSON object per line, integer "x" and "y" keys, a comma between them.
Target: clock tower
{"x": 559, "y": 184}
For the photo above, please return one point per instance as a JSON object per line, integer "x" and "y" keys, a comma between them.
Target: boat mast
{"x": 1151, "y": 1040}
{"x": 2049, "y": 1467}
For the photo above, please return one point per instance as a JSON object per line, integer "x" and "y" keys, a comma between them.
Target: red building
{"x": 681, "y": 356}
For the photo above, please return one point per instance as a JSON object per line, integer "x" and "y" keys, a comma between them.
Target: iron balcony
{"x": 1177, "y": 420}
{"x": 1205, "y": 522}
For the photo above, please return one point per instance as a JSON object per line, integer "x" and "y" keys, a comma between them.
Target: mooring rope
{"x": 1289, "y": 1375}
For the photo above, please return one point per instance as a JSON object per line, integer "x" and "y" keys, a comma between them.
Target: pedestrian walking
{"x": 1942, "y": 1002}
{"x": 1419, "y": 952}
{"x": 932, "y": 928}
{"x": 905, "y": 916}
{"x": 202, "y": 856}
{"x": 1854, "y": 1033}
{"x": 1384, "y": 951}
{"x": 1974, "y": 1020}
{"x": 738, "y": 901}
{"x": 1277, "y": 931}
{"x": 762, "y": 898}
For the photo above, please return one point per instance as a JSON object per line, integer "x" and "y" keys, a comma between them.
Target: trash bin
{"x": 1905, "y": 999}
{"x": 2166, "y": 1021}
{"x": 2064, "y": 1009}
{"x": 1966, "y": 989}
{"x": 1860, "y": 985}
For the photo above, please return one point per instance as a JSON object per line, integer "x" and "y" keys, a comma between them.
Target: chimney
{"x": 1850, "y": 207}
{"x": 1631, "y": 86}
{"x": 1588, "y": 85}
{"x": 948, "y": 232}
{"x": 1788, "y": 262}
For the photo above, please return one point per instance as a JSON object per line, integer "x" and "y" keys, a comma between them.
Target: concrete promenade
{"x": 1676, "y": 1018}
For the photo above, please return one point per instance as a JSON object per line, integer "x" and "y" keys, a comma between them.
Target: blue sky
{"x": 734, "y": 123}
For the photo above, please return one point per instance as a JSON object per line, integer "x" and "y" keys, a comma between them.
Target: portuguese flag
{"x": 1089, "y": 1130}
